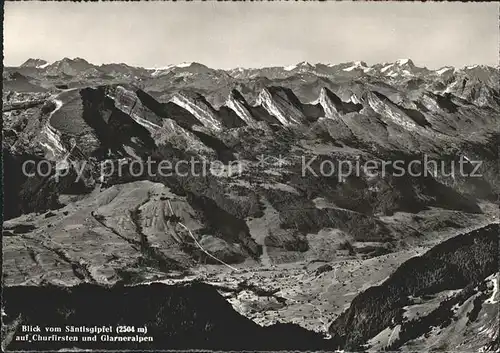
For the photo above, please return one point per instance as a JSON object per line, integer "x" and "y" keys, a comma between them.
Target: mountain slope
{"x": 461, "y": 263}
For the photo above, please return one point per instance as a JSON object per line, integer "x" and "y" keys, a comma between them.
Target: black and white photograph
{"x": 250, "y": 176}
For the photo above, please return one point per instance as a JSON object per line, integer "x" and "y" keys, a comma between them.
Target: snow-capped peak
{"x": 302, "y": 64}
{"x": 357, "y": 65}
{"x": 403, "y": 61}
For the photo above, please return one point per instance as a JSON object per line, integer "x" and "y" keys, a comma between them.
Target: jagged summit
{"x": 35, "y": 63}
{"x": 402, "y": 62}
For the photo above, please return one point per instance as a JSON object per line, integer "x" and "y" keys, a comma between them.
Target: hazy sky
{"x": 225, "y": 35}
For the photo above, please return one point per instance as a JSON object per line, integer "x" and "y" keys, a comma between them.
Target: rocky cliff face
{"x": 199, "y": 108}
{"x": 282, "y": 104}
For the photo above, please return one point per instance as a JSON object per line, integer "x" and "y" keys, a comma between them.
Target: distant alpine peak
{"x": 402, "y": 62}
{"x": 300, "y": 65}
{"x": 35, "y": 63}
{"x": 360, "y": 63}
{"x": 180, "y": 65}
{"x": 77, "y": 59}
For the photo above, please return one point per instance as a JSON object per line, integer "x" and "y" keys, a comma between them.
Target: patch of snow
{"x": 184, "y": 64}
{"x": 289, "y": 68}
{"x": 402, "y": 61}
{"x": 385, "y": 68}
{"x": 443, "y": 70}
{"x": 43, "y": 66}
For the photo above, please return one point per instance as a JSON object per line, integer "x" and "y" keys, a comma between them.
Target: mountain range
{"x": 284, "y": 245}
